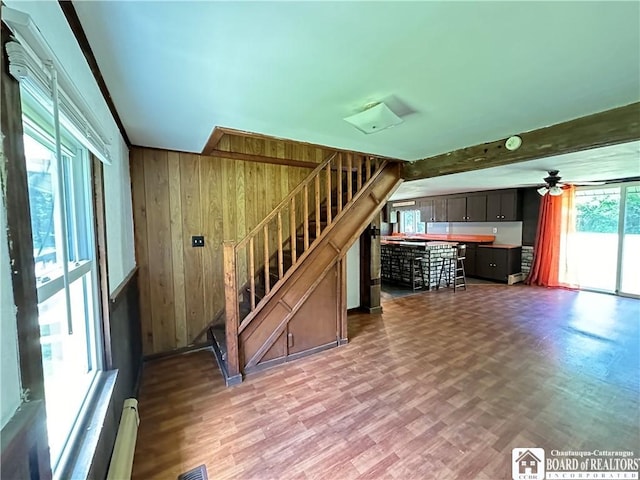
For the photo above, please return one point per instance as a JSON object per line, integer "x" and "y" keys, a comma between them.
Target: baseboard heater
{"x": 125, "y": 446}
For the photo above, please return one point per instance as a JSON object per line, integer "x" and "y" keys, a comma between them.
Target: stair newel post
{"x": 317, "y": 194}
{"x": 339, "y": 181}
{"x": 306, "y": 217}
{"x": 267, "y": 273}
{"x": 328, "y": 193}
{"x": 252, "y": 278}
{"x": 292, "y": 229}
{"x": 349, "y": 176}
{"x": 231, "y": 308}
{"x": 359, "y": 172}
{"x": 280, "y": 260}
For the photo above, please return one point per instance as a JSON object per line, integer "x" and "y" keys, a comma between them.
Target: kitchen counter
{"x": 442, "y": 237}
{"x": 414, "y": 244}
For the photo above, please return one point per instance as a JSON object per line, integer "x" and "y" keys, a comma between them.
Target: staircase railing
{"x": 262, "y": 259}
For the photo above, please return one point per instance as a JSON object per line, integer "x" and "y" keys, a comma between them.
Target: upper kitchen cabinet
{"x": 470, "y": 208}
{"x": 503, "y": 206}
{"x": 433, "y": 209}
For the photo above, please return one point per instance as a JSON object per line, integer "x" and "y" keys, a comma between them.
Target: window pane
{"x": 597, "y": 213}
{"x": 66, "y": 376}
{"x": 44, "y": 206}
{"x": 630, "y": 278}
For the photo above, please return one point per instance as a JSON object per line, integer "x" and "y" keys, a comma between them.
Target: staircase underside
{"x": 308, "y": 302}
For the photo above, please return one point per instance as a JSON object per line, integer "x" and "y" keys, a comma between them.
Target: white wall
{"x": 54, "y": 27}
{"x": 9, "y": 363}
{"x": 508, "y": 233}
{"x": 353, "y": 276}
{"x": 119, "y": 216}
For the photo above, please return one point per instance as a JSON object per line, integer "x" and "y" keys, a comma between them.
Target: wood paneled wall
{"x": 177, "y": 195}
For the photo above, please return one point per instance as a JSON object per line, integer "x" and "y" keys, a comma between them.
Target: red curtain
{"x": 553, "y": 224}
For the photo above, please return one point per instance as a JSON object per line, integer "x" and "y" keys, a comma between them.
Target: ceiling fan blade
{"x": 586, "y": 184}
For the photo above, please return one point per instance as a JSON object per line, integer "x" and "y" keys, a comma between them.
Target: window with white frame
{"x": 60, "y": 204}
{"x": 410, "y": 222}
{"x": 60, "y": 136}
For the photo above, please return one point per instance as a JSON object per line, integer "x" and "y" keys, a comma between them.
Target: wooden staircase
{"x": 285, "y": 285}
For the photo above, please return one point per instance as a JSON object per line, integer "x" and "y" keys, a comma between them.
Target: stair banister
{"x": 230, "y": 252}
{"x": 285, "y": 201}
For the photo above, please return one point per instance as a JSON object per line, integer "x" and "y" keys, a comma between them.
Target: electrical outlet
{"x": 197, "y": 241}
{"x": 495, "y": 229}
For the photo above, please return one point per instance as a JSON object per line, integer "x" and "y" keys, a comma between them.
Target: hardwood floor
{"x": 440, "y": 386}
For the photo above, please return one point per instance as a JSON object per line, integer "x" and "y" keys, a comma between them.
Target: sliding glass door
{"x": 630, "y": 252}
{"x": 596, "y": 240}
{"x": 607, "y": 239}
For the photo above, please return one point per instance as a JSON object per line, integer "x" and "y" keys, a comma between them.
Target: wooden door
{"x": 477, "y": 208}
{"x": 457, "y": 209}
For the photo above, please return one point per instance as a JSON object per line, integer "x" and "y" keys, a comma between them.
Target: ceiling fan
{"x": 553, "y": 185}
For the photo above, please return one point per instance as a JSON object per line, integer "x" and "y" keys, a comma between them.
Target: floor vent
{"x": 198, "y": 473}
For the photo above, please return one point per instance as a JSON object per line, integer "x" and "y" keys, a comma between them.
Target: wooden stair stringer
{"x": 267, "y": 326}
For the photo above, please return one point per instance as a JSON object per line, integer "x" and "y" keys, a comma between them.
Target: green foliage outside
{"x": 600, "y": 213}
{"x": 41, "y": 206}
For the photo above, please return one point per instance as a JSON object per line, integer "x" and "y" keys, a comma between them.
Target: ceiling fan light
{"x": 542, "y": 191}
{"x": 555, "y": 191}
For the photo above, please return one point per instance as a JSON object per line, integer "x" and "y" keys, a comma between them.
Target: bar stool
{"x": 417, "y": 267}
{"x": 453, "y": 267}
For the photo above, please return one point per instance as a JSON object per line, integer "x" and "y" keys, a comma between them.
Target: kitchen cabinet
{"x": 433, "y": 209}
{"x": 470, "y": 259}
{"x": 504, "y": 206}
{"x": 497, "y": 262}
{"x": 471, "y": 208}
{"x": 477, "y": 208}
{"x": 457, "y": 209}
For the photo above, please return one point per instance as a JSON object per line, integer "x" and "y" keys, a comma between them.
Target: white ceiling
{"x": 606, "y": 163}
{"x": 460, "y": 73}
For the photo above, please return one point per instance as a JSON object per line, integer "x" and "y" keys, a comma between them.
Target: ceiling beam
{"x": 262, "y": 159}
{"x": 611, "y": 127}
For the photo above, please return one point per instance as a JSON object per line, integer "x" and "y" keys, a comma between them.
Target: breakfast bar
{"x": 416, "y": 261}
{"x": 414, "y": 264}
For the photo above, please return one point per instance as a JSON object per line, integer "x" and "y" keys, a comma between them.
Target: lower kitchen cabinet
{"x": 470, "y": 259}
{"x": 497, "y": 262}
